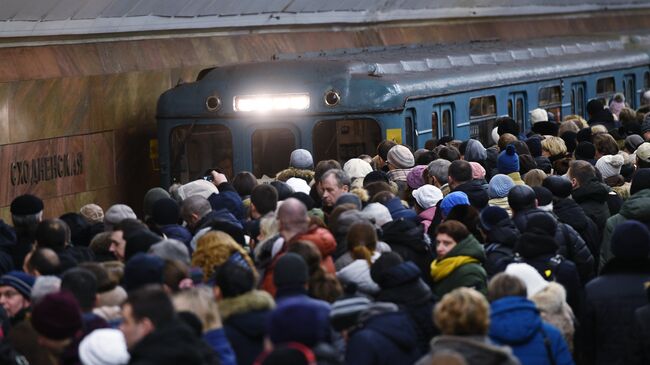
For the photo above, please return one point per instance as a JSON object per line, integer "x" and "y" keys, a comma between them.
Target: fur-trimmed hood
{"x": 286, "y": 174}
{"x": 254, "y": 300}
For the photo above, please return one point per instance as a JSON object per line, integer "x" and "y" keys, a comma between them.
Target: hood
{"x": 514, "y": 320}
{"x": 475, "y": 152}
{"x": 286, "y": 174}
{"x": 475, "y": 349}
{"x": 398, "y": 210}
{"x": 569, "y": 212}
{"x": 404, "y": 232}
{"x": 637, "y": 206}
{"x": 255, "y": 300}
{"x": 321, "y": 238}
{"x": 399, "y": 275}
{"x": 591, "y": 191}
{"x": 384, "y": 319}
{"x": 531, "y": 245}
{"x": 476, "y": 192}
{"x": 175, "y": 231}
{"x": 504, "y": 232}
{"x": 428, "y": 214}
{"x": 469, "y": 246}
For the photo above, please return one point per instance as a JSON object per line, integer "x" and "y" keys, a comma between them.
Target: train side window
{"x": 646, "y": 80}
{"x": 345, "y": 139}
{"x": 629, "y": 90}
{"x": 550, "y": 99}
{"x": 605, "y": 89}
{"x": 197, "y": 148}
{"x": 434, "y": 125}
{"x": 482, "y": 116}
{"x": 446, "y": 123}
{"x": 271, "y": 150}
{"x": 578, "y": 99}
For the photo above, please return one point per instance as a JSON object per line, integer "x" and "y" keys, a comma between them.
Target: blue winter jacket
{"x": 515, "y": 321}
{"x": 218, "y": 341}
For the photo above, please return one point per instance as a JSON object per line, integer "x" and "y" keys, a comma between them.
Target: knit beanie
{"x": 529, "y": 275}
{"x": 117, "y": 213}
{"x": 44, "y": 285}
{"x": 401, "y": 157}
{"x": 643, "y": 152}
{"x": 492, "y": 215}
{"x": 499, "y": 186}
{"x": 171, "y": 249}
{"x": 290, "y": 271}
{"x": 345, "y": 312}
{"x": 570, "y": 141}
{"x": 558, "y": 186}
{"x": 630, "y": 240}
{"x": 543, "y": 224}
{"x": 378, "y": 213}
{"x": 427, "y": 196}
{"x": 298, "y": 320}
{"x": 348, "y": 198}
{"x": 301, "y": 159}
{"x": 375, "y": 176}
{"x": 610, "y": 165}
{"x": 143, "y": 269}
{"x": 92, "y": 212}
{"x": 57, "y": 316}
{"x": 139, "y": 241}
{"x": 478, "y": 171}
{"x": 632, "y": 142}
{"x": 104, "y": 346}
{"x": 414, "y": 178}
{"x": 152, "y": 196}
{"x": 585, "y": 151}
{"x": 166, "y": 211}
{"x": 380, "y": 271}
{"x": 538, "y": 115}
{"x": 534, "y": 146}
{"x": 20, "y": 281}
{"x": 584, "y": 135}
{"x": 640, "y": 181}
{"x": 508, "y": 161}
{"x": 284, "y": 190}
{"x": 26, "y": 204}
{"x": 357, "y": 168}
{"x": 452, "y": 200}
{"x": 234, "y": 279}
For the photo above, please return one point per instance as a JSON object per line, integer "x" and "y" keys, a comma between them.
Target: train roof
{"x": 19, "y": 18}
{"x": 384, "y": 78}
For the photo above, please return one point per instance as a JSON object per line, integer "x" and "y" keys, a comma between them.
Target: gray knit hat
{"x": 301, "y": 159}
{"x": 152, "y": 196}
{"x": 401, "y": 157}
{"x": 117, "y": 213}
{"x": 171, "y": 249}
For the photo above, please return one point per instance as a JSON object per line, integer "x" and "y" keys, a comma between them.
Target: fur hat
{"x": 401, "y": 157}
{"x": 57, "y": 316}
{"x": 301, "y": 159}
{"x": 26, "y": 204}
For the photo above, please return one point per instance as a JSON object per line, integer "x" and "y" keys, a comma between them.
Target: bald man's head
{"x": 293, "y": 219}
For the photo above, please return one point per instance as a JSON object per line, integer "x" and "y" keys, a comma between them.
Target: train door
{"x": 578, "y": 99}
{"x": 345, "y": 138}
{"x": 410, "y": 128}
{"x": 629, "y": 90}
{"x": 517, "y": 109}
{"x": 271, "y": 148}
{"x": 442, "y": 118}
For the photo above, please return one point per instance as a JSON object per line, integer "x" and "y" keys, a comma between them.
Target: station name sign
{"x": 46, "y": 168}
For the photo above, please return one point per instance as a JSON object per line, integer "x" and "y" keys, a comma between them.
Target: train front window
{"x": 482, "y": 116}
{"x": 271, "y": 150}
{"x": 550, "y": 99}
{"x": 605, "y": 89}
{"x": 197, "y": 148}
{"x": 344, "y": 139}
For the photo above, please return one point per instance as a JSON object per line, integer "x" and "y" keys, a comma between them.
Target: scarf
{"x": 443, "y": 268}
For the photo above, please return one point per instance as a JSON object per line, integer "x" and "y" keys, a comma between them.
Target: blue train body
{"x": 342, "y": 103}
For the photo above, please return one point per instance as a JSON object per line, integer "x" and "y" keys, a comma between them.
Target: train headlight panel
{"x": 271, "y": 102}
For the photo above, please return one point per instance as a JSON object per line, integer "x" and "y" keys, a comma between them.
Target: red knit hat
{"x": 57, "y": 316}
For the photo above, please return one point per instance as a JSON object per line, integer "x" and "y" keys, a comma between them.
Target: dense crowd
{"x": 533, "y": 250}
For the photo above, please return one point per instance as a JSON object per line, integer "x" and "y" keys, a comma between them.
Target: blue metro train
{"x": 341, "y": 104}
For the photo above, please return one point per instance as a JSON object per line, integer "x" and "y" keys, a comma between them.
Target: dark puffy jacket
{"x": 611, "y": 300}
{"x": 516, "y": 322}
{"x": 402, "y": 285}
{"x": 177, "y": 232}
{"x": 570, "y": 244}
{"x": 174, "y": 343}
{"x": 592, "y": 198}
{"x": 476, "y": 192}
{"x": 398, "y": 210}
{"x": 384, "y": 338}
{"x": 229, "y": 199}
{"x": 638, "y": 351}
{"x": 491, "y": 161}
{"x": 500, "y": 251}
{"x": 469, "y": 274}
{"x": 406, "y": 238}
{"x": 569, "y": 212}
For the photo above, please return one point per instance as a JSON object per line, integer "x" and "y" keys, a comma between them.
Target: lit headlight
{"x": 266, "y": 103}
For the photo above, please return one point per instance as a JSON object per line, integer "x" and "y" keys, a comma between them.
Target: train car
{"x": 341, "y": 104}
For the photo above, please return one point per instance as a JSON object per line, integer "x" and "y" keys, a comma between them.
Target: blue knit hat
{"x": 508, "y": 161}
{"x": 500, "y": 185}
{"x": 452, "y": 200}
{"x": 143, "y": 269}
{"x": 20, "y": 281}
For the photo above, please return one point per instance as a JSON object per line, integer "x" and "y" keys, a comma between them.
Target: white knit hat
{"x": 610, "y": 165}
{"x": 299, "y": 185}
{"x": 357, "y": 168}
{"x": 105, "y": 346}
{"x": 529, "y": 275}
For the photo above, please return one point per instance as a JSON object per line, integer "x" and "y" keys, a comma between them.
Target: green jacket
{"x": 636, "y": 207}
{"x": 471, "y": 275}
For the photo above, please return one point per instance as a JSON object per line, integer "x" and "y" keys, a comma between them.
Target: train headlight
{"x": 271, "y": 102}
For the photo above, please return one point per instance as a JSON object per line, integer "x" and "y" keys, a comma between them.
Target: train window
{"x": 271, "y": 150}
{"x": 578, "y": 99}
{"x": 345, "y": 139}
{"x": 510, "y": 110}
{"x": 550, "y": 99}
{"x": 629, "y": 88}
{"x": 482, "y": 115}
{"x": 605, "y": 89}
{"x": 446, "y": 123}
{"x": 196, "y": 148}
{"x": 434, "y": 125}
{"x": 646, "y": 81}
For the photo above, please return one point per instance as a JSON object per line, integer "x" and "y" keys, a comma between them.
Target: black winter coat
{"x": 638, "y": 351}
{"x": 610, "y": 302}
{"x": 406, "y": 238}
{"x": 500, "y": 249}
{"x": 478, "y": 196}
{"x": 570, "y": 244}
{"x": 569, "y": 212}
{"x": 592, "y": 198}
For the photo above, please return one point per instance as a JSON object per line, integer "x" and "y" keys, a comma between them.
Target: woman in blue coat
{"x": 515, "y": 321}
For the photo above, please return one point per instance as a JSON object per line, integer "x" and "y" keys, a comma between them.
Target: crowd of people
{"x": 533, "y": 250}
